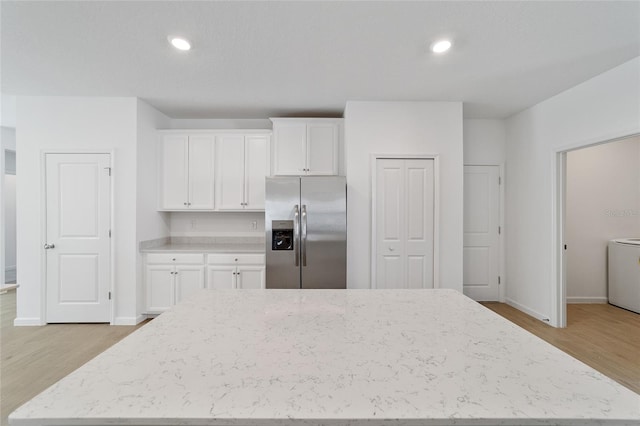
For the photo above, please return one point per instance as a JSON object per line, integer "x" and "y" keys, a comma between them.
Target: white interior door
{"x": 481, "y": 233}
{"x": 404, "y": 223}
{"x": 77, "y": 230}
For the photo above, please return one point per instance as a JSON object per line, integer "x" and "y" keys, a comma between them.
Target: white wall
{"x": 7, "y": 141}
{"x": 75, "y": 123}
{"x": 602, "y": 201}
{"x": 7, "y": 110}
{"x": 601, "y": 108}
{"x": 218, "y": 224}
{"x": 150, "y": 224}
{"x": 403, "y": 128}
{"x": 484, "y": 142}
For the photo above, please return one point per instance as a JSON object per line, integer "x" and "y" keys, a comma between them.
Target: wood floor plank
{"x": 602, "y": 336}
{"x": 34, "y": 358}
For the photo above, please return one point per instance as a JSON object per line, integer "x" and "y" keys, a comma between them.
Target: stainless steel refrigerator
{"x": 306, "y": 227}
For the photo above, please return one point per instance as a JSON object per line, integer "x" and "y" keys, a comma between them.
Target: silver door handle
{"x": 48, "y": 246}
{"x": 304, "y": 235}
{"x": 296, "y": 234}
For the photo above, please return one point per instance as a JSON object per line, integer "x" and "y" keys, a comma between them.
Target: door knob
{"x": 48, "y": 246}
{"x": 391, "y": 249}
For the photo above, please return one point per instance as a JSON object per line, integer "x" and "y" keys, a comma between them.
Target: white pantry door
{"x": 481, "y": 233}
{"x": 404, "y": 223}
{"x": 78, "y": 193}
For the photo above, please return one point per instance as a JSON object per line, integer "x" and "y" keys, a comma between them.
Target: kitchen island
{"x": 332, "y": 357}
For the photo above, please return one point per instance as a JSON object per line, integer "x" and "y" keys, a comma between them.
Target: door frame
{"x": 502, "y": 266}
{"x": 43, "y": 227}
{"x": 558, "y": 311}
{"x": 436, "y": 210}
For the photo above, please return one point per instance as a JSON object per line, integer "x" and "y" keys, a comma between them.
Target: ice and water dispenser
{"x": 282, "y": 235}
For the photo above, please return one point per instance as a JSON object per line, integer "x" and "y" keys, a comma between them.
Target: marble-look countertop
{"x": 206, "y": 248}
{"x": 332, "y": 357}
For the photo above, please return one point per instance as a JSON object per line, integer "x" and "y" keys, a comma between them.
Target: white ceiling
{"x": 261, "y": 59}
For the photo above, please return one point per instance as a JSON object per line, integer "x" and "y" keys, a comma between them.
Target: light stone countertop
{"x": 206, "y": 248}
{"x": 332, "y": 357}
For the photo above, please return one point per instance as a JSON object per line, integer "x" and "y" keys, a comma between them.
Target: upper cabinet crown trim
{"x": 215, "y": 131}
{"x": 335, "y": 120}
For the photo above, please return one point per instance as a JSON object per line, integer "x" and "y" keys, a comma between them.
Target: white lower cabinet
{"x": 221, "y": 277}
{"x": 173, "y": 277}
{"x": 244, "y": 271}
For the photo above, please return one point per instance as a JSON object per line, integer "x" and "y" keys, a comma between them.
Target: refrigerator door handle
{"x": 304, "y": 235}
{"x": 296, "y": 234}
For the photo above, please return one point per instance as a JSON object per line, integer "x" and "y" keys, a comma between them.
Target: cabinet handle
{"x": 174, "y": 259}
{"x": 184, "y": 204}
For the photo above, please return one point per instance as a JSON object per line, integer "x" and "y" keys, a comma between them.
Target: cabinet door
{"x": 250, "y": 277}
{"x": 256, "y": 166}
{"x": 173, "y": 171}
{"x": 159, "y": 281}
{"x": 221, "y": 277}
{"x": 230, "y": 172}
{"x": 189, "y": 280}
{"x": 289, "y": 151}
{"x": 322, "y": 149}
{"x": 201, "y": 172}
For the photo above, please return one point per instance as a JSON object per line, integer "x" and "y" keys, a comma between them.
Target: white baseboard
{"x": 129, "y": 320}
{"x": 600, "y": 300}
{"x": 526, "y": 310}
{"x": 18, "y": 322}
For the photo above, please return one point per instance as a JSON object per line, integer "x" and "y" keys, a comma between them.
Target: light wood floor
{"x": 602, "y": 336}
{"x": 34, "y": 358}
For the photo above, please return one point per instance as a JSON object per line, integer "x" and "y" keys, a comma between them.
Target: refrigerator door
{"x": 323, "y": 229}
{"x": 282, "y": 227}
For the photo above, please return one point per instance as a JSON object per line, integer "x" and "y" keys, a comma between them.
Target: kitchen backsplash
{"x": 218, "y": 224}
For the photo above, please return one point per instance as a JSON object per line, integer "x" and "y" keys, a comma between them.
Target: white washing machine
{"x": 624, "y": 273}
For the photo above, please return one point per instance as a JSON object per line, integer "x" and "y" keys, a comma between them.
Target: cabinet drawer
{"x": 169, "y": 258}
{"x": 236, "y": 259}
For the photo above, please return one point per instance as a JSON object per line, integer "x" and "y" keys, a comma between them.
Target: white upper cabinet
{"x": 186, "y": 172}
{"x": 230, "y": 172}
{"x": 201, "y": 169}
{"x": 242, "y": 165}
{"x": 174, "y": 172}
{"x": 306, "y": 146}
{"x": 213, "y": 170}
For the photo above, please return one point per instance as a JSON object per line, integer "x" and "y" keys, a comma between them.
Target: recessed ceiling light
{"x": 440, "y": 46}
{"x": 180, "y": 43}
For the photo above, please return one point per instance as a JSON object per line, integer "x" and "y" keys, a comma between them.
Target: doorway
{"x": 597, "y": 193}
{"x": 9, "y": 189}
{"x": 404, "y": 223}
{"x": 78, "y": 237}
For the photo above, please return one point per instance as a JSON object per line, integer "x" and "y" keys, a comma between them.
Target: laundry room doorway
{"x": 598, "y": 201}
